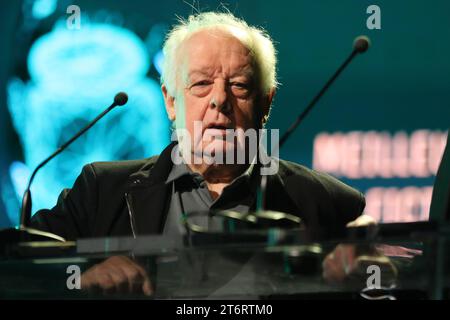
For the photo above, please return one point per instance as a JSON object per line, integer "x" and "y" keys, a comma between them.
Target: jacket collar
{"x": 148, "y": 195}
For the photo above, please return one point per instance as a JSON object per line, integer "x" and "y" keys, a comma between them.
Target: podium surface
{"x": 261, "y": 265}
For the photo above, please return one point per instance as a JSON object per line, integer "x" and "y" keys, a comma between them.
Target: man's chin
{"x": 219, "y": 152}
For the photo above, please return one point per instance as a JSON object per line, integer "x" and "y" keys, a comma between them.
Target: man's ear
{"x": 169, "y": 102}
{"x": 267, "y": 103}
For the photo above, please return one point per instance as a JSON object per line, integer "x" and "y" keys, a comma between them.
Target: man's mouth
{"x": 218, "y": 130}
{"x": 218, "y": 127}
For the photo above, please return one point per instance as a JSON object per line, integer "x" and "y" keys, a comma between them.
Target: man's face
{"x": 217, "y": 87}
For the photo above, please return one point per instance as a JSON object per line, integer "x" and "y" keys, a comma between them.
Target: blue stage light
{"x": 74, "y": 76}
{"x": 158, "y": 61}
{"x": 43, "y": 8}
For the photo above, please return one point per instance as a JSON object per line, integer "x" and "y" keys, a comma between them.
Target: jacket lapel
{"x": 148, "y": 196}
{"x": 282, "y": 202}
{"x": 297, "y": 195}
{"x": 319, "y": 213}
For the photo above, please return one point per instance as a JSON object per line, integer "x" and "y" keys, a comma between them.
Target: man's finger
{"x": 119, "y": 278}
{"x": 134, "y": 278}
{"x": 362, "y": 221}
{"x": 147, "y": 287}
{"x": 105, "y": 282}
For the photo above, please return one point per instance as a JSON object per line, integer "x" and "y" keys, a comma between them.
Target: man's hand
{"x": 118, "y": 274}
{"x": 362, "y": 221}
{"x": 349, "y": 260}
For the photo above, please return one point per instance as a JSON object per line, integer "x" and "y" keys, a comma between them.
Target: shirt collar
{"x": 178, "y": 171}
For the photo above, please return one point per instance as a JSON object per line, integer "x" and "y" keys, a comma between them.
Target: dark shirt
{"x": 190, "y": 197}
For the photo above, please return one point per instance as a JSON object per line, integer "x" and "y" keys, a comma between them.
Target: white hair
{"x": 254, "y": 39}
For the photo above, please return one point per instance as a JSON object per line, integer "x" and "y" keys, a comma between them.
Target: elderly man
{"x": 219, "y": 73}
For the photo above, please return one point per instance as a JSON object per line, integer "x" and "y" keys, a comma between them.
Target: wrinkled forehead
{"x": 206, "y": 48}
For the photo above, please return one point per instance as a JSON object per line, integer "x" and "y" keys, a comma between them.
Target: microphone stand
{"x": 24, "y": 232}
{"x": 360, "y": 45}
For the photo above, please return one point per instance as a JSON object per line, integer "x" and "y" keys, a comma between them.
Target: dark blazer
{"x": 130, "y": 198}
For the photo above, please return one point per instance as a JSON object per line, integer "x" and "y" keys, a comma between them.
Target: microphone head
{"x": 121, "y": 98}
{"x": 361, "y": 44}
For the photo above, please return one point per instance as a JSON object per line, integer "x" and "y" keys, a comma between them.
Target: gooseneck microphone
{"x": 25, "y": 214}
{"x": 360, "y": 45}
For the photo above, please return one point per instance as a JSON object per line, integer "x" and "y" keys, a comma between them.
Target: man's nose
{"x": 220, "y": 98}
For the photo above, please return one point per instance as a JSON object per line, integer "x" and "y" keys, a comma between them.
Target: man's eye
{"x": 201, "y": 83}
{"x": 201, "y": 88}
{"x": 240, "y": 89}
{"x": 240, "y": 85}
